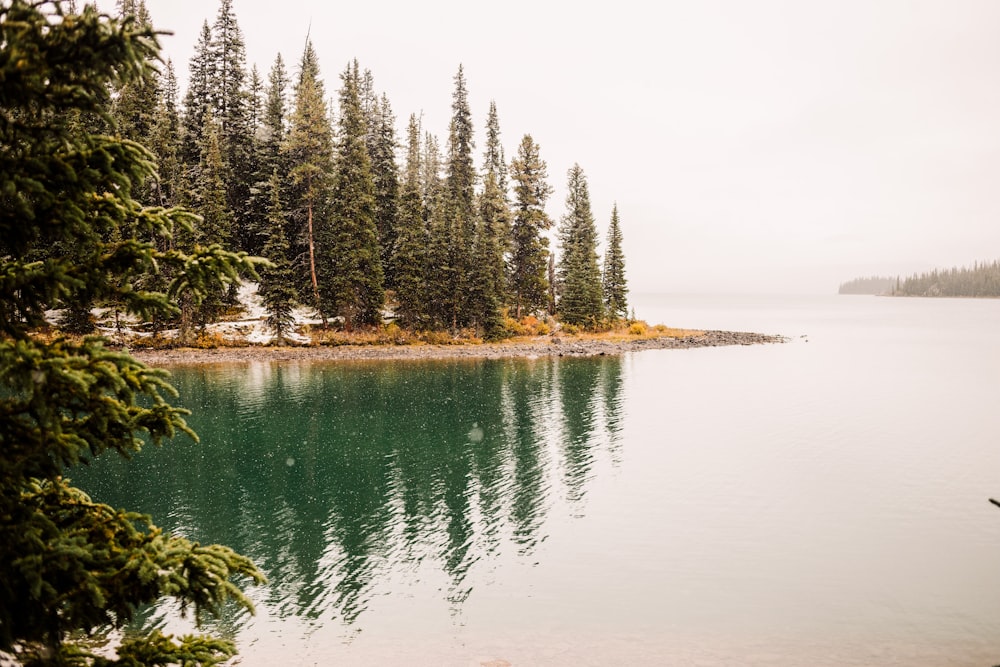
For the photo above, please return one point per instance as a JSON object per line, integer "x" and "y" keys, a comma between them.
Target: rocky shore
{"x": 536, "y": 347}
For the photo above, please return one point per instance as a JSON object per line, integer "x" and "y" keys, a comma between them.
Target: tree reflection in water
{"x": 336, "y": 477}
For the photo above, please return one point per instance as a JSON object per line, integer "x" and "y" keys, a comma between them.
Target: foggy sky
{"x": 766, "y": 146}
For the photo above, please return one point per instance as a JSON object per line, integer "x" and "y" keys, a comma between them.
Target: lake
{"x": 820, "y": 502}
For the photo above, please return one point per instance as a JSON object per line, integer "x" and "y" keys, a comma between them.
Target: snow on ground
{"x": 250, "y": 326}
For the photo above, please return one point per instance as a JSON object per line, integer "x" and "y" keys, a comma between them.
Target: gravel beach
{"x": 520, "y": 348}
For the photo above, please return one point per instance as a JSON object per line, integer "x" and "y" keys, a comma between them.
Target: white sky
{"x": 765, "y": 146}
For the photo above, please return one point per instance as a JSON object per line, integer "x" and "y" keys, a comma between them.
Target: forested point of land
{"x": 872, "y": 285}
{"x": 430, "y": 241}
{"x": 981, "y": 280}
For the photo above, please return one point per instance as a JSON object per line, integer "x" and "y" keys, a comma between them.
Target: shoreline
{"x": 540, "y": 346}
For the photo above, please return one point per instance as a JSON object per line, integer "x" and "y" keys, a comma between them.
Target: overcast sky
{"x": 765, "y": 146}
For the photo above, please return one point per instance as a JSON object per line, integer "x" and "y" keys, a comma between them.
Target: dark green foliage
{"x": 197, "y": 101}
{"x": 269, "y": 131}
{"x": 460, "y": 217}
{"x": 216, "y": 217}
{"x": 165, "y": 141}
{"x": 68, "y": 564}
{"x": 615, "y": 285}
{"x": 231, "y": 108}
{"x": 580, "y": 301}
{"x": 347, "y": 258}
{"x": 385, "y": 173}
{"x": 276, "y": 286}
{"x": 488, "y": 271}
{"x": 410, "y": 252}
{"x": 307, "y": 153}
{"x": 529, "y": 249}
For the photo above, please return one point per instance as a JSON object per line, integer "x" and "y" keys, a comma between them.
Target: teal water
{"x": 820, "y": 502}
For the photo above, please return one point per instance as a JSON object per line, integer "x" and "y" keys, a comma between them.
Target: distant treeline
{"x": 982, "y": 280}
{"x": 872, "y": 285}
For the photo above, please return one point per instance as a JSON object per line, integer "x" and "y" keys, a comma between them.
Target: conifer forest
{"x": 357, "y": 222}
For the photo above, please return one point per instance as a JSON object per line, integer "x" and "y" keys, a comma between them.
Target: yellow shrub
{"x": 637, "y": 329}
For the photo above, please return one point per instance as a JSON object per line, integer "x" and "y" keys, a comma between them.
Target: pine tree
{"x": 615, "y": 285}
{"x": 215, "y": 227}
{"x": 276, "y": 285}
{"x": 308, "y": 155}
{"x": 197, "y": 101}
{"x": 460, "y": 219}
{"x": 581, "y": 300}
{"x": 439, "y": 272}
{"x": 488, "y": 273}
{"x": 230, "y": 103}
{"x": 70, "y": 565}
{"x": 348, "y": 257}
{"x": 134, "y": 103}
{"x": 410, "y": 252}
{"x": 269, "y": 134}
{"x": 164, "y": 141}
{"x": 275, "y": 117}
{"x": 529, "y": 248}
{"x": 385, "y": 173}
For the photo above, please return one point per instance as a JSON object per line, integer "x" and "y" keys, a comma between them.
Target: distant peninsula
{"x": 981, "y": 280}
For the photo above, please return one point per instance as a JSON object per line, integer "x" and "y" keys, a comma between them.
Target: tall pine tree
{"x": 460, "y": 217}
{"x": 269, "y": 134}
{"x": 230, "y": 102}
{"x": 348, "y": 258}
{"x": 276, "y": 285}
{"x": 529, "y": 248}
{"x": 385, "y": 173}
{"x": 488, "y": 271}
{"x": 308, "y": 155}
{"x": 615, "y": 285}
{"x": 410, "y": 251}
{"x": 580, "y": 301}
{"x": 197, "y": 101}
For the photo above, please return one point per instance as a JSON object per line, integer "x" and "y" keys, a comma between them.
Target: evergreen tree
{"x": 385, "y": 173}
{"x": 488, "y": 278}
{"x": 134, "y": 103}
{"x": 255, "y": 103}
{"x": 495, "y": 163}
{"x": 615, "y": 285}
{"x": 269, "y": 134}
{"x": 164, "y": 142}
{"x": 197, "y": 101}
{"x": 308, "y": 155}
{"x": 274, "y": 118}
{"x": 581, "y": 299}
{"x": 410, "y": 252}
{"x": 460, "y": 182}
{"x": 230, "y": 103}
{"x": 70, "y": 565}
{"x": 529, "y": 248}
{"x": 276, "y": 285}
{"x": 439, "y": 272}
{"x": 348, "y": 258}
{"x": 494, "y": 212}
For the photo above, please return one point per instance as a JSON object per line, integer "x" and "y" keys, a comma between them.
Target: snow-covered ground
{"x": 250, "y": 327}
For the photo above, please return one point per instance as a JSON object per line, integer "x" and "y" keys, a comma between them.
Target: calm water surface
{"x": 821, "y": 502}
